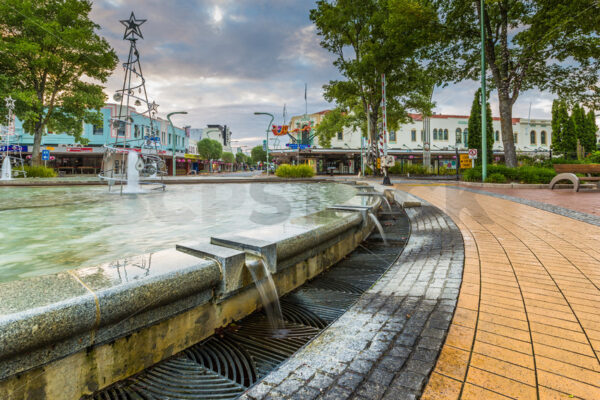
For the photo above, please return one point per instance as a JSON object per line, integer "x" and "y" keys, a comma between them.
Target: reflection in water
{"x": 50, "y": 229}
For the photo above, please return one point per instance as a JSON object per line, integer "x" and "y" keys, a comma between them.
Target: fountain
{"x": 133, "y": 174}
{"x": 379, "y": 227}
{"x": 6, "y": 170}
{"x": 268, "y": 294}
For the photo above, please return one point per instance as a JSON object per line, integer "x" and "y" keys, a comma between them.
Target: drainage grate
{"x": 226, "y": 364}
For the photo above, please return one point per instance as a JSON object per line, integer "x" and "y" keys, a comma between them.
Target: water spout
{"x": 389, "y": 206}
{"x": 268, "y": 294}
{"x": 379, "y": 227}
{"x": 6, "y": 170}
{"x": 133, "y": 174}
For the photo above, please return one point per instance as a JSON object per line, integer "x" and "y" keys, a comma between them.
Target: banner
{"x": 280, "y": 130}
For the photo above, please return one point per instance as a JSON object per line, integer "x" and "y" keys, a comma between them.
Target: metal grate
{"x": 236, "y": 357}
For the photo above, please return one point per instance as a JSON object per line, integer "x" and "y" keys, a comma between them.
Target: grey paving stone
{"x": 381, "y": 376}
{"x": 289, "y": 386}
{"x": 350, "y": 380}
{"x": 306, "y": 393}
{"x": 320, "y": 381}
{"x": 409, "y": 379}
{"x": 336, "y": 393}
{"x": 362, "y": 366}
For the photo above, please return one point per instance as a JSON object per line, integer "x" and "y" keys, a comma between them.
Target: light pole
{"x": 483, "y": 98}
{"x": 173, "y": 137}
{"x": 269, "y": 126}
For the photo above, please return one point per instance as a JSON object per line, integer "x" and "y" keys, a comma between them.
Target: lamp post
{"x": 483, "y": 99}
{"x": 173, "y": 137}
{"x": 268, "y": 126}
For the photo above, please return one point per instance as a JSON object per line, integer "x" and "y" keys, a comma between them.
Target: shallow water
{"x": 50, "y": 229}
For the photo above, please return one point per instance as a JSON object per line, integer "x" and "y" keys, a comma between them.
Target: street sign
{"x": 294, "y": 146}
{"x": 465, "y": 162}
{"x": 473, "y": 154}
{"x": 389, "y": 161}
{"x": 264, "y": 145}
{"x": 45, "y": 155}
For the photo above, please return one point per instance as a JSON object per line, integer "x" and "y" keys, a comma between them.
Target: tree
{"x": 228, "y": 157}
{"x": 370, "y": 38}
{"x": 210, "y": 149}
{"x": 564, "y": 140}
{"x": 544, "y": 44}
{"x": 53, "y": 61}
{"x": 332, "y": 123}
{"x": 474, "y": 138}
{"x": 591, "y": 129}
{"x": 258, "y": 154}
{"x": 241, "y": 158}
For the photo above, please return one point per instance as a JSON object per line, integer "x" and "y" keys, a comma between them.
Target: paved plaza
{"x": 526, "y": 324}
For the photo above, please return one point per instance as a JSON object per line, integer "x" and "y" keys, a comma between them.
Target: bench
{"x": 568, "y": 171}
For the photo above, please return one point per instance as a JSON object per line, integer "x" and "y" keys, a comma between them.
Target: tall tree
{"x": 474, "y": 138}
{"x": 228, "y": 157}
{"x": 544, "y": 44}
{"x": 54, "y": 61}
{"x": 591, "y": 130}
{"x": 580, "y": 127}
{"x": 332, "y": 123}
{"x": 210, "y": 149}
{"x": 564, "y": 140}
{"x": 241, "y": 157}
{"x": 374, "y": 37}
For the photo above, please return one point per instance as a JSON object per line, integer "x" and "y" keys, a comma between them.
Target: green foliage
{"x": 551, "y": 50}
{"x": 593, "y": 158}
{"x": 370, "y": 38}
{"x": 332, "y": 123}
{"x": 39, "y": 171}
{"x": 589, "y": 140}
{"x": 241, "y": 158}
{"x": 210, "y": 149}
{"x": 564, "y": 139}
{"x": 525, "y": 174}
{"x": 51, "y": 58}
{"x": 228, "y": 157}
{"x": 368, "y": 170}
{"x": 294, "y": 171}
{"x": 496, "y": 178}
{"x": 474, "y": 138}
{"x": 258, "y": 154}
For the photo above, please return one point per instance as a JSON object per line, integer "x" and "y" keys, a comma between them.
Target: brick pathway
{"x": 526, "y": 324}
{"x": 386, "y": 345}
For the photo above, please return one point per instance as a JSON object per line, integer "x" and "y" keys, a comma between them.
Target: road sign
{"x": 294, "y": 146}
{"x": 45, "y": 155}
{"x": 473, "y": 154}
{"x": 264, "y": 145}
{"x": 389, "y": 161}
{"x": 465, "y": 162}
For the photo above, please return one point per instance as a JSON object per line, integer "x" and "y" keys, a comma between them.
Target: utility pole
{"x": 268, "y": 127}
{"x": 386, "y": 178}
{"x": 483, "y": 98}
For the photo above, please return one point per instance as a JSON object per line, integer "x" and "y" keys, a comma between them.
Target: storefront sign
{"x": 80, "y": 149}
{"x": 14, "y": 147}
{"x": 294, "y": 146}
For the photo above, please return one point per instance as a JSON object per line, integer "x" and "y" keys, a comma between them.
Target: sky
{"x": 223, "y": 60}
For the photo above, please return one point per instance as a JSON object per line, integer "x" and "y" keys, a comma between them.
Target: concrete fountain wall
{"x": 66, "y": 335}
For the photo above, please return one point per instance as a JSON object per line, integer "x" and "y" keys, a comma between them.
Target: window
{"x": 170, "y": 138}
{"x": 516, "y": 136}
{"x": 543, "y": 137}
{"x": 435, "y": 134}
{"x": 121, "y": 128}
{"x": 136, "y": 130}
{"x": 98, "y": 130}
{"x": 445, "y": 134}
{"x": 413, "y": 135}
{"x": 532, "y": 137}
{"x": 466, "y": 136}
{"x": 422, "y": 136}
{"x": 458, "y": 136}
{"x": 340, "y": 135}
{"x": 392, "y": 136}
{"x": 163, "y": 137}
{"x": 497, "y": 136}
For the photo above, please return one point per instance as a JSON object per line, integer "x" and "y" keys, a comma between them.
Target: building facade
{"x": 220, "y": 133}
{"x": 448, "y": 133}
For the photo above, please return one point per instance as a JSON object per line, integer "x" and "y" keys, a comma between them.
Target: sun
{"x": 217, "y": 15}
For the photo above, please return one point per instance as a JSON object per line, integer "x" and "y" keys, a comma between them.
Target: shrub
{"x": 496, "y": 178}
{"x": 396, "y": 169}
{"x": 536, "y": 175}
{"x": 294, "y": 171}
{"x": 472, "y": 175}
{"x": 39, "y": 172}
{"x": 593, "y": 158}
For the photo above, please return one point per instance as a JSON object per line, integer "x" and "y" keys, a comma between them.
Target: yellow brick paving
{"x": 527, "y": 322}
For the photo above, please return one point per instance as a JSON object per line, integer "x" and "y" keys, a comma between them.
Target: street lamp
{"x": 173, "y": 137}
{"x": 268, "y": 127}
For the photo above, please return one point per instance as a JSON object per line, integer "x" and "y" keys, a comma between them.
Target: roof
{"x": 419, "y": 117}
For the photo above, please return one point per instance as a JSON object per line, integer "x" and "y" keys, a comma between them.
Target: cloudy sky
{"x": 222, "y": 60}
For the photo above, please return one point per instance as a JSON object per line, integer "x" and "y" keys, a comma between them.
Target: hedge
{"x": 294, "y": 171}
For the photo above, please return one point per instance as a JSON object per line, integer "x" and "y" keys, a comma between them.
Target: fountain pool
{"x": 50, "y": 229}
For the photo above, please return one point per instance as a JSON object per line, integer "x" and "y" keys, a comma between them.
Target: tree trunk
{"x": 508, "y": 141}
{"x": 36, "y": 154}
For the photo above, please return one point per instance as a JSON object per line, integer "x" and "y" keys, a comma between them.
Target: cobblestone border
{"x": 565, "y": 212}
{"x": 386, "y": 345}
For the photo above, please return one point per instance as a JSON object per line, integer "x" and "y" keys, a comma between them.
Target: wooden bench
{"x": 567, "y": 172}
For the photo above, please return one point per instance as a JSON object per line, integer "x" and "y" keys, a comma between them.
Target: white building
{"x": 448, "y": 131}
{"x": 220, "y": 133}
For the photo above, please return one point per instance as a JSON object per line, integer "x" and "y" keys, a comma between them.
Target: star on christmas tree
{"x": 132, "y": 27}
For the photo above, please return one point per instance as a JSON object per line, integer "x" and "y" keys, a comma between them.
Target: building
{"x": 220, "y": 133}
{"x": 448, "y": 133}
{"x": 72, "y": 157}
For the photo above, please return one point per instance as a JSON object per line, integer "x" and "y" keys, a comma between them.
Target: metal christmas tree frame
{"x": 10, "y": 145}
